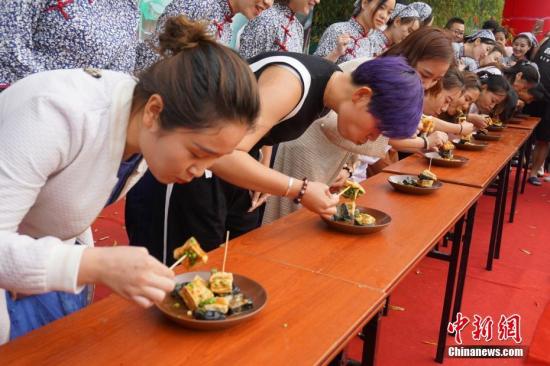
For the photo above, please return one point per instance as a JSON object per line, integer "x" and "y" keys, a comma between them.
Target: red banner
{"x": 521, "y": 15}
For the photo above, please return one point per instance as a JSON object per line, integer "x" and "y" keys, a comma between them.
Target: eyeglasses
{"x": 458, "y": 32}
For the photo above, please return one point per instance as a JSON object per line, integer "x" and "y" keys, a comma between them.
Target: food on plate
{"x": 214, "y": 299}
{"x": 493, "y": 122}
{"x": 345, "y": 213}
{"x": 221, "y": 282}
{"x": 466, "y": 139}
{"x": 193, "y": 252}
{"x": 352, "y": 190}
{"x": 446, "y": 151}
{"x": 426, "y": 179}
{"x": 195, "y": 293}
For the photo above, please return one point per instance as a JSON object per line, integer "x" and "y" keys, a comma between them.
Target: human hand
{"x": 129, "y": 271}
{"x": 319, "y": 199}
{"x": 342, "y": 44}
{"x": 257, "y": 200}
{"x": 479, "y": 120}
{"x": 437, "y": 138}
{"x": 467, "y": 128}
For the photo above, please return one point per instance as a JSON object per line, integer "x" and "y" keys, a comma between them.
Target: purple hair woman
{"x": 322, "y": 152}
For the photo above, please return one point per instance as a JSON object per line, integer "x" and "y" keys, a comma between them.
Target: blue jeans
{"x": 35, "y": 311}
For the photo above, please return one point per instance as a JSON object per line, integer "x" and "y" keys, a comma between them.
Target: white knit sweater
{"x": 62, "y": 137}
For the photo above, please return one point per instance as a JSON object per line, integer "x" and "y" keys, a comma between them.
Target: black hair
{"x": 202, "y": 83}
{"x": 501, "y": 30}
{"x": 491, "y": 25}
{"x": 528, "y": 71}
{"x": 452, "y": 21}
{"x": 359, "y": 8}
{"x": 495, "y": 83}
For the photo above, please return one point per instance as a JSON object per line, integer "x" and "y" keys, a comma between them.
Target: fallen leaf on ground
{"x": 103, "y": 238}
{"x": 526, "y": 251}
{"x": 431, "y": 343}
{"x": 396, "y": 308}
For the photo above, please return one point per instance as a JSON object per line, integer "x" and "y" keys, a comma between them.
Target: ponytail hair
{"x": 201, "y": 82}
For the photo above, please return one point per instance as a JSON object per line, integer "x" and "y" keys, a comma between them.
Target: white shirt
{"x": 62, "y": 137}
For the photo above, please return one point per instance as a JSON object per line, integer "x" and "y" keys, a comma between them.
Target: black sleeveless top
{"x": 314, "y": 73}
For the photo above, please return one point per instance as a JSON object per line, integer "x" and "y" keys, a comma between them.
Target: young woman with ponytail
{"x": 76, "y": 140}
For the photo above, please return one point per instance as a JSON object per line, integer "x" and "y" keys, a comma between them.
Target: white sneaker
{"x": 540, "y": 173}
{"x": 546, "y": 179}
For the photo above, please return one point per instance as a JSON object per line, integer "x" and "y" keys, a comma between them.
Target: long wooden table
{"x": 308, "y": 319}
{"x": 322, "y": 286}
{"x": 479, "y": 172}
{"x": 528, "y": 123}
{"x": 382, "y": 259}
{"x": 378, "y": 260}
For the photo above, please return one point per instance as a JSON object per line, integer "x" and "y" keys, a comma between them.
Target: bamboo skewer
{"x": 225, "y": 251}
{"x": 353, "y": 208}
{"x": 182, "y": 258}
{"x": 344, "y": 191}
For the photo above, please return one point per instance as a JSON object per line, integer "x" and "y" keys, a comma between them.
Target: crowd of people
{"x": 203, "y": 139}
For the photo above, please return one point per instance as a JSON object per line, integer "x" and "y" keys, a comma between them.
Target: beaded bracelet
{"x": 298, "y": 199}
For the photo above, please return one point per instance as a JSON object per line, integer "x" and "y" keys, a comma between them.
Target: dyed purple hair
{"x": 397, "y": 94}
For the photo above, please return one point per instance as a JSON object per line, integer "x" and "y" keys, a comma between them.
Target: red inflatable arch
{"x": 520, "y": 15}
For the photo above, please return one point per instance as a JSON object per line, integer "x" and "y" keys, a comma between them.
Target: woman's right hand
{"x": 319, "y": 199}
{"x": 479, "y": 120}
{"x": 129, "y": 271}
{"x": 437, "y": 138}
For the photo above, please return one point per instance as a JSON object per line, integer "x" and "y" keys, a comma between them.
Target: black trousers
{"x": 204, "y": 208}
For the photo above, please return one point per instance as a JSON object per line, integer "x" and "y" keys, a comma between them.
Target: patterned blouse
{"x": 217, "y": 12}
{"x": 39, "y": 35}
{"x": 275, "y": 29}
{"x": 378, "y": 42}
{"x": 358, "y": 47}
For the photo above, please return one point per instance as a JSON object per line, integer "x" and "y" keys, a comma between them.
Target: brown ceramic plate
{"x": 382, "y": 220}
{"x": 178, "y": 313}
{"x": 397, "y": 182}
{"x": 495, "y": 128}
{"x": 456, "y": 161}
{"x": 486, "y": 137}
{"x": 470, "y": 146}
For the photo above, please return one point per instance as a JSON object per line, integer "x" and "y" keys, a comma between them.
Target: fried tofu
{"x": 195, "y": 292}
{"x": 193, "y": 251}
{"x": 221, "y": 282}
{"x": 353, "y": 189}
{"x": 220, "y": 304}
